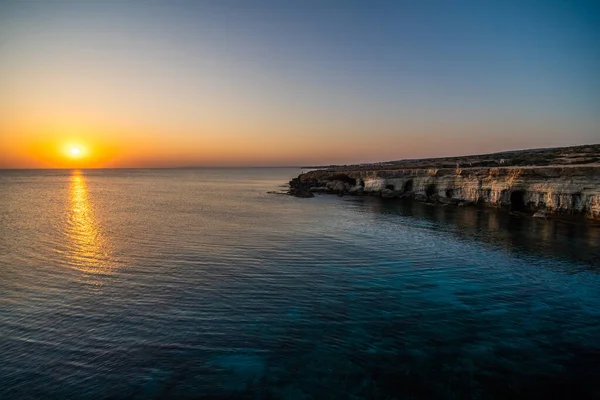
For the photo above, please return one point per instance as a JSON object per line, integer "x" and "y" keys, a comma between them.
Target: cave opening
{"x": 408, "y": 186}
{"x": 389, "y": 187}
{"x": 517, "y": 200}
{"x": 430, "y": 190}
{"x": 576, "y": 200}
{"x": 449, "y": 193}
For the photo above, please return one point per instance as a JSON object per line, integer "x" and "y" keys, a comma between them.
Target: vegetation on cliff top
{"x": 574, "y": 155}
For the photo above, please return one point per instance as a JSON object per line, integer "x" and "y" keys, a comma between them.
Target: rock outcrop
{"x": 552, "y": 190}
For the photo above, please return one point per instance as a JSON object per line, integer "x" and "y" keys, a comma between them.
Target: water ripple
{"x": 170, "y": 283}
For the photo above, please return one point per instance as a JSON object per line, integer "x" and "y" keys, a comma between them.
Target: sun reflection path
{"x": 88, "y": 247}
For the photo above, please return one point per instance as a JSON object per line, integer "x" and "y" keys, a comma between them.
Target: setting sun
{"x": 76, "y": 151}
{"x": 86, "y": 150}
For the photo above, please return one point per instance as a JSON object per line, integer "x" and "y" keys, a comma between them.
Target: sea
{"x": 200, "y": 284}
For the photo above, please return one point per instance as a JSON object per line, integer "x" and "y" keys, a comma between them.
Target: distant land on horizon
{"x": 571, "y": 155}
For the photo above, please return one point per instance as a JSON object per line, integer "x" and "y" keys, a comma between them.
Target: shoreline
{"x": 565, "y": 191}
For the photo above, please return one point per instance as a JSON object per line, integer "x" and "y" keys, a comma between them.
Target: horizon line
{"x": 178, "y": 167}
{"x": 320, "y": 165}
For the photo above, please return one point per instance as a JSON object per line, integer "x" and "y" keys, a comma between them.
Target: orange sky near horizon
{"x": 104, "y": 148}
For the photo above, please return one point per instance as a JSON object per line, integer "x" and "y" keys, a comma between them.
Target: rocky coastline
{"x": 571, "y": 190}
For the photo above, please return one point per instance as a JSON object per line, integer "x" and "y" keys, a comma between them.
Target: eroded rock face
{"x": 573, "y": 190}
{"x": 302, "y": 187}
{"x": 338, "y": 186}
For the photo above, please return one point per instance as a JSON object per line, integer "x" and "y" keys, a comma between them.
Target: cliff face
{"x": 573, "y": 190}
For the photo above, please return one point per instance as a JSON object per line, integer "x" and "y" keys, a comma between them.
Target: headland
{"x": 540, "y": 182}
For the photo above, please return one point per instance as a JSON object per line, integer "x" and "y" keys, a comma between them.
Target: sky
{"x": 266, "y": 83}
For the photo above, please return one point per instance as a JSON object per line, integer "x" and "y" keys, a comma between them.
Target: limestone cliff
{"x": 554, "y": 190}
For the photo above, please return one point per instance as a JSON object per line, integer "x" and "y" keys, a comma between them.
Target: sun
{"x": 75, "y": 151}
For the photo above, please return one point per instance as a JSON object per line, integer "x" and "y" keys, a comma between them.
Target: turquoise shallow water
{"x": 196, "y": 283}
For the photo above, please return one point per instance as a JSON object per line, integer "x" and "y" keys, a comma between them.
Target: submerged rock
{"x": 388, "y": 194}
{"x": 540, "y": 214}
{"x": 420, "y": 197}
{"x": 301, "y": 193}
{"x": 448, "y": 200}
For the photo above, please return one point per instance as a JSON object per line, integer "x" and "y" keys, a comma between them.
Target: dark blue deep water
{"x": 196, "y": 283}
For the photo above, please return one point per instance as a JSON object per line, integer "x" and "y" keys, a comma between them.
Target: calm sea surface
{"x": 196, "y": 283}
